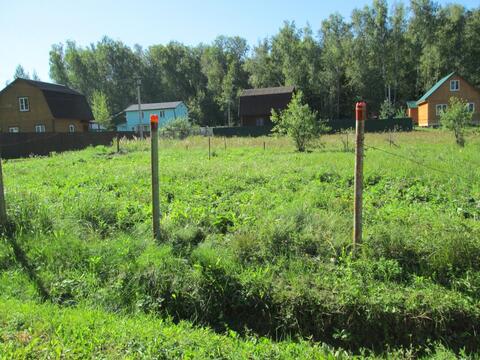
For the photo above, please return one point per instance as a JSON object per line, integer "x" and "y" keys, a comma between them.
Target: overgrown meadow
{"x": 255, "y": 247}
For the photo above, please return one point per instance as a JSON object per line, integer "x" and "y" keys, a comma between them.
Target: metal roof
{"x": 412, "y": 104}
{"x": 268, "y": 91}
{"x": 434, "y": 88}
{"x": 155, "y": 106}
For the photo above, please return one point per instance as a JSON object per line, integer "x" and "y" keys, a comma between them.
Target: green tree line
{"x": 383, "y": 53}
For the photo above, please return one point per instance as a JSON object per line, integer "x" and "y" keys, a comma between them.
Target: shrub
{"x": 178, "y": 129}
{"x": 456, "y": 118}
{"x": 298, "y": 122}
{"x": 387, "y": 110}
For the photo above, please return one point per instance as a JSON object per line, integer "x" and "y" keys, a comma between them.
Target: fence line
{"x": 26, "y": 144}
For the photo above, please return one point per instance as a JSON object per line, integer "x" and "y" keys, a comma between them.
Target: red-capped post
{"x": 155, "y": 184}
{"x": 361, "y": 116}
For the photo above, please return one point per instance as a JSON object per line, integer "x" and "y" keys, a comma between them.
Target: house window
{"x": 39, "y": 128}
{"x": 454, "y": 85}
{"x": 471, "y": 107}
{"x": 161, "y": 114}
{"x": 71, "y": 128}
{"x": 441, "y": 108}
{"x": 23, "y": 104}
{"x": 260, "y": 122}
{"x": 13, "y": 129}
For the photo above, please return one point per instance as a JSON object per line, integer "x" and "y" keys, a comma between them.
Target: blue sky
{"x": 28, "y": 28}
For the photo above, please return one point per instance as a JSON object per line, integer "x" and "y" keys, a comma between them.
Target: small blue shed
{"x": 166, "y": 112}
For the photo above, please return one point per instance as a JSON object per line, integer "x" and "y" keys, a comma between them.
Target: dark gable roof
{"x": 52, "y": 87}
{"x": 255, "y": 102}
{"x": 64, "y": 103}
{"x": 155, "y": 106}
{"x": 68, "y": 106}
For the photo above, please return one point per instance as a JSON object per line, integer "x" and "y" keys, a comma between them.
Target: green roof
{"x": 412, "y": 104}
{"x": 434, "y": 88}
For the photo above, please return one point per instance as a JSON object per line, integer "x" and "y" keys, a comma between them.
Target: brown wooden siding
{"x": 443, "y": 94}
{"x": 39, "y": 113}
{"x": 11, "y": 116}
{"x": 62, "y": 125}
{"x": 423, "y": 114}
{"x": 413, "y": 114}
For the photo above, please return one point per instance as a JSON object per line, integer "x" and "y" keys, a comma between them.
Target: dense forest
{"x": 384, "y": 54}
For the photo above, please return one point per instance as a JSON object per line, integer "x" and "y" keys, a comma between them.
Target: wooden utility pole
{"x": 155, "y": 185}
{"x": 3, "y": 209}
{"x": 209, "y": 148}
{"x": 361, "y": 114}
{"x": 140, "y": 117}
{"x": 118, "y": 143}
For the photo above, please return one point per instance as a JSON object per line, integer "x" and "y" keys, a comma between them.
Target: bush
{"x": 456, "y": 118}
{"x": 178, "y": 129}
{"x": 298, "y": 122}
{"x": 387, "y": 110}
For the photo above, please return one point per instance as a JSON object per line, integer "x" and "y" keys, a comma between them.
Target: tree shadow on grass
{"x": 22, "y": 259}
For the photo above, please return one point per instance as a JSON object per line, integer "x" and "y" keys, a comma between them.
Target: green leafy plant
{"x": 179, "y": 129}
{"x": 387, "y": 110}
{"x": 400, "y": 113}
{"x": 299, "y": 122}
{"x": 456, "y": 118}
{"x": 100, "y": 109}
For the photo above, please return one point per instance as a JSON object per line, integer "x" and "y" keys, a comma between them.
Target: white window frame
{"x": 439, "y": 108}
{"x": 23, "y": 104}
{"x": 40, "y": 128}
{"x": 452, "y": 85}
{"x": 13, "y": 129}
{"x": 71, "y": 128}
{"x": 161, "y": 113}
{"x": 472, "y": 105}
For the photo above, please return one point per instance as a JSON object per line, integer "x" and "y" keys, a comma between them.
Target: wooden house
{"x": 166, "y": 111}
{"x": 256, "y": 104}
{"x": 412, "y": 111}
{"x": 427, "y": 110}
{"x": 36, "y": 106}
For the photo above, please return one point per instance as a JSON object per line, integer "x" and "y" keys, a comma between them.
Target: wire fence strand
{"x": 426, "y": 166}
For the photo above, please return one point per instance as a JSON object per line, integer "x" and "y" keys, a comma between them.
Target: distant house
{"x": 35, "y": 106}
{"x": 166, "y": 112}
{"x": 256, "y": 104}
{"x": 412, "y": 111}
{"x": 426, "y": 111}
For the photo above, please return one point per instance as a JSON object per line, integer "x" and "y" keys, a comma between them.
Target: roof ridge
{"x": 268, "y": 90}
{"x": 169, "y": 105}
{"x": 46, "y": 86}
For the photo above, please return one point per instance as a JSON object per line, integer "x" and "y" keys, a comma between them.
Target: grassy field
{"x": 255, "y": 246}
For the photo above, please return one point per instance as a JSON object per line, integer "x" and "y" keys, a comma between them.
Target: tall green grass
{"x": 257, "y": 241}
